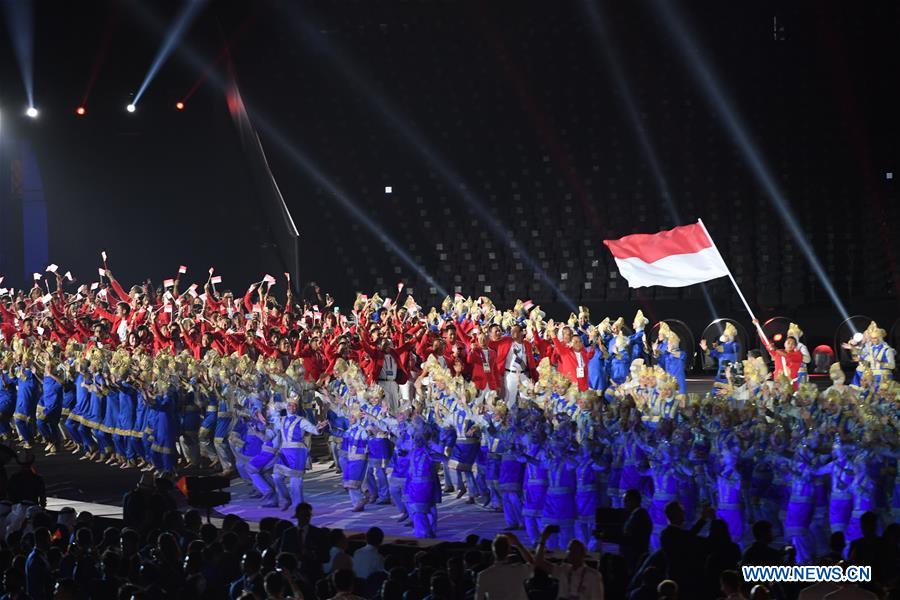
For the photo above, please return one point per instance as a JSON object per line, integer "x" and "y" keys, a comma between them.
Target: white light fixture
{"x": 131, "y": 108}
{"x": 32, "y": 112}
{"x": 388, "y": 189}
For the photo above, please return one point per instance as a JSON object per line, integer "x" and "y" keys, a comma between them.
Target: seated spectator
{"x": 760, "y": 552}
{"x": 251, "y": 579}
{"x": 368, "y": 559}
{"x": 506, "y": 577}
{"x": 343, "y": 581}
{"x": 576, "y": 579}
{"x": 338, "y": 557}
{"x": 730, "y": 585}
{"x": 650, "y": 580}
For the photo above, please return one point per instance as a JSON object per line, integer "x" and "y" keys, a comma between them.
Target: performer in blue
{"x": 423, "y": 489}
{"x": 598, "y": 375}
{"x": 7, "y": 395}
{"x": 27, "y": 394}
{"x": 208, "y": 426}
{"x": 224, "y": 419}
{"x": 290, "y": 464}
{"x": 726, "y": 352}
{"x": 637, "y": 341}
{"x": 620, "y": 360}
{"x": 355, "y": 439}
{"x": 165, "y": 434}
{"x": 674, "y": 360}
{"x": 49, "y": 407}
{"x": 379, "y": 446}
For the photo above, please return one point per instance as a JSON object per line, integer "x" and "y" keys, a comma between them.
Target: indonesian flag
{"x": 676, "y": 257}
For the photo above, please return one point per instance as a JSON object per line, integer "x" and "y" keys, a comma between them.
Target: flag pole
{"x": 734, "y": 283}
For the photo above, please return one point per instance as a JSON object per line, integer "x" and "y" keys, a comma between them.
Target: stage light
{"x": 80, "y": 111}
{"x": 777, "y": 337}
{"x": 388, "y": 189}
{"x": 170, "y": 42}
{"x": 131, "y": 108}
{"x": 179, "y": 105}
{"x": 31, "y": 112}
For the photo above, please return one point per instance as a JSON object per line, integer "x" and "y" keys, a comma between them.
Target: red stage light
{"x": 777, "y": 337}
{"x": 179, "y": 105}
{"x": 80, "y": 111}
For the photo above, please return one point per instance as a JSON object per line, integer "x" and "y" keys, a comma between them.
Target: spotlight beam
{"x": 629, "y": 105}
{"x": 182, "y": 21}
{"x": 193, "y": 59}
{"x": 417, "y": 141}
{"x": 20, "y": 23}
{"x": 720, "y": 103}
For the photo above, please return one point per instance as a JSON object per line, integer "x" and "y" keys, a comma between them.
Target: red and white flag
{"x": 216, "y": 279}
{"x": 676, "y": 257}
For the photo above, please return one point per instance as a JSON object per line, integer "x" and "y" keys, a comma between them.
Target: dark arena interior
{"x": 391, "y": 299}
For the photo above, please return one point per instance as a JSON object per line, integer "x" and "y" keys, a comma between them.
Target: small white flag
{"x": 46, "y": 299}
{"x": 1, "y": 280}
{"x": 40, "y": 330}
{"x": 95, "y": 285}
{"x": 399, "y": 287}
{"x": 101, "y": 271}
{"x": 269, "y": 279}
{"x": 202, "y": 297}
{"x": 78, "y": 297}
{"x": 52, "y": 268}
{"x": 387, "y": 303}
{"x": 182, "y": 269}
{"x": 37, "y": 276}
{"x": 69, "y": 275}
{"x": 216, "y": 279}
{"x": 168, "y": 283}
{"x": 167, "y": 308}
{"x": 212, "y": 270}
{"x": 103, "y": 255}
{"x": 193, "y": 290}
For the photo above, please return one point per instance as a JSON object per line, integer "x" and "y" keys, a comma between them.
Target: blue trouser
{"x": 512, "y": 508}
{"x": 425, "y": 522}
{"x": 48, "y": 427}
{"x": 120, "y": 443}
{"x": 397, "y": 496}
{"x": 87, "y": 437}
{"x": 263, "y": 480}
{"x": 290, "y": 489}
{"x": 25, "y": 429}
{"x": 469, "y": 480}
{"x": 73, "y": 429}
{"x": 104, "y": 440}
{"x": 376, "y": 479}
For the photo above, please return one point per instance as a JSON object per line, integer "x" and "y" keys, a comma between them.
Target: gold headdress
{"x": 584, "y": 312}
{"x": 730, "y": 331}
{"x": 673, "y": 340}
{"x": 874, "y": 331}
{"x": 794, "y": 331}
{"x": 640, "y": 321}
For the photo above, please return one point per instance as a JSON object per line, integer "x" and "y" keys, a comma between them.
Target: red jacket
{"x": 568, "y": 363}
{"x": 476, "y": 360}
{"x": 502, "y": 346}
